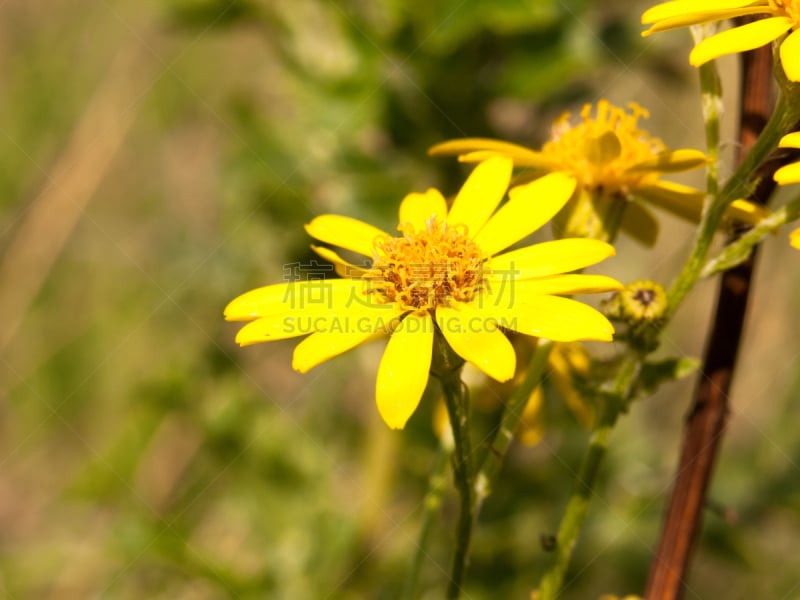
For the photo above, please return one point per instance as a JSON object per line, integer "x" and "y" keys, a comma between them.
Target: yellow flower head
{"x": 790, "y": 174}
{"x": 780, "y": 16}
{"x": 640, "y": 301}
{"x": 613, "y": 159}
{"x": 445, "y": 273}
{"x": 608, "y": 151}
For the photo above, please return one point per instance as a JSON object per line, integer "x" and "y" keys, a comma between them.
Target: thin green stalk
{"x": 433, "y": 500}
{"x": 739, "y": 186}
{"x": 455, "y": 394}
{"x": 489, "y": 469}
{"x": 711, "y": 97}
{"x": 572, "y": 522}
{"x": 737, "y": 252}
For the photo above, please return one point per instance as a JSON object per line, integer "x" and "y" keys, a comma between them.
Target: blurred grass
{"x": 144, "y": 455}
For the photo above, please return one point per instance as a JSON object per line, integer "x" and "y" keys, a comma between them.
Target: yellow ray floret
{"x": 790, "y": 174}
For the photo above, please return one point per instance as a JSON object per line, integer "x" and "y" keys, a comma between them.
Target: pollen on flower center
{"x": 428, "y": 268}
{"x": 600, "y": 150}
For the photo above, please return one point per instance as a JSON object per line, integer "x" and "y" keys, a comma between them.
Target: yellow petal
{"x": 529, "y": 207}
{"x": 477, "y": 149}
{"x": 534, "y": 160}
{"x": 700, "y": 18}
{"x": 292, "y": 296}
{"x": 790, "y": 140}
{"x": 321, "y": 346}
{"x": 739, "y": 39}
{"x": 343, "y": 268}
{"x": 480, "y": 194}
{"x": 403, "y": 372}
{"x": 746, "y": 212}
{"x": 677, "y": 8}
{"x": 788, "y": 175}
{"x": 478, "y": 340}
{"x": 554, "y": 318}
{"x": 418, "y": 209}
{"x": 672, "y": 161}
{"x": 348, "y": 318}
{"x": 561, "y": 285}
{"x": 681, "y": 200}
{"x": 360, "y": 327}
{"x": 794, "y": 238}
{"x": 279, "y": 327}
{"x": 345, "y": 232}
{"x": 547, "y": 258}
{"x": 639, "y": 223}
{"x": 790, "y": 56}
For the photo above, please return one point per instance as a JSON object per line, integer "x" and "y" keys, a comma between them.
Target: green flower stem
{"x": 613, "y": 404}
{"x": 740, "y": 185}
{"x": 514, "y": 406}
{"x": 711, "y": 98}
{"x": 737, "y": 252}
{"x": 455, "y": 394}
{"x": 433, "y": 500}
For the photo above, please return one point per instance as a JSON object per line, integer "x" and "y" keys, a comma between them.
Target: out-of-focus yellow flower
{"x": 613, "y": 160}
{"x": 446, "y": 274}
{"x": 565, "y": 361}
{"x": 531, "y": 423}
{"x": 781, "y": 16}
{"x": 794, "y": 238}
{"x": 790, "y": 174}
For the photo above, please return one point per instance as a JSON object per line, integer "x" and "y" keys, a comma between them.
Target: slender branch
{"x": 489, "y": 469}
{"x": 578, "y": 505}
{"x": 708, "y": 416}
{"x": 455, "y": 393}
{"x": 433, "y": 500}
{"x": 739, "y": 250}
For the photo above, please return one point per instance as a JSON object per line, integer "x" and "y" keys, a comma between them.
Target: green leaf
{"x": 658, "y": 372}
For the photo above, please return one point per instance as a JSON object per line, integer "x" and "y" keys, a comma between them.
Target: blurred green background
{"x": 159, "y": 158}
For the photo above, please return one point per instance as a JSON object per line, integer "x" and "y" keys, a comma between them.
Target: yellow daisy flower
{"x": 781, "y": 16}
{"x": 790, "y": 174}
{"x": 445, "y": 274}
{"x": 612, "y": 159}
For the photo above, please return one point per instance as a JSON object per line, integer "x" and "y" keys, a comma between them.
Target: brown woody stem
{"x": 708, "y": 415}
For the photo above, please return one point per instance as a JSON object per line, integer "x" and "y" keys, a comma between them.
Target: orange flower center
{"x": 424, "y": 269}
{"x": 599, "y": 151}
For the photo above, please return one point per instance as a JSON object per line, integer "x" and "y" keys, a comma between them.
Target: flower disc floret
{"x": 421, "y": 270}
{"x": 789, "y": 8}
{"x": 602, "y": 150}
